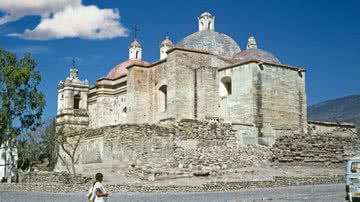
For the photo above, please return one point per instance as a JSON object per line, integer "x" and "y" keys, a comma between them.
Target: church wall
{"x": 240, "y": 106}
{"x": 162, "y": 75}
{"x": 207, "y": 93}
{"x": 138, "y": 95}
{"x": 195, "y": 82}
{"x": 280, "y": 102}
{"x": 107, "y": 110}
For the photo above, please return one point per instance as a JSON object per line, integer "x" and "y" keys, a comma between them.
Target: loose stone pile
{"x": 52, "y": 178}
{"x": 325, "y": 145}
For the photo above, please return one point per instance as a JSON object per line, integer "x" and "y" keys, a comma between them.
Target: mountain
{"x": 344, "y": 109}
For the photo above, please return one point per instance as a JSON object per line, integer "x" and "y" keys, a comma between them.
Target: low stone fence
{"x": 52, "y": 178}
{"x": 326, "y": 143}
{"x": 210, "y": 186}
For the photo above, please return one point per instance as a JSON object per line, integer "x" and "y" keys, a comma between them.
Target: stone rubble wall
{"x": 185, "y": 147}
{"x": 326, "y": 143}
{"x": 193, "y": 148}
{"x": 148, "y": 188}
{"x": 51, "y": 178}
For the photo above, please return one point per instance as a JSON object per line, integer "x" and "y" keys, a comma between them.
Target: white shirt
{"x": 100, "y": 188}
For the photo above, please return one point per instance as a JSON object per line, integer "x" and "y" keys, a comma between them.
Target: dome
{"x": 256, "y": 54}
{"x": 135, "y": 43}
{"x": 205, "y": 14}
{"x": 168, "y": 42}
{"x": 120, "y": 69}
{"x": 211, "y": 41}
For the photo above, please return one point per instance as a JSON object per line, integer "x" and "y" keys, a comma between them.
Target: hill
{"x": 344, "y": 109}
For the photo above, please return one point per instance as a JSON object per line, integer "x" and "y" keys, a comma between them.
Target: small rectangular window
{"x": 76, "y": 102}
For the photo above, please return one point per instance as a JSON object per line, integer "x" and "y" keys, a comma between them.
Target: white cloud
{"x": 16, "y": 9}
{"x": 65, "y": 18}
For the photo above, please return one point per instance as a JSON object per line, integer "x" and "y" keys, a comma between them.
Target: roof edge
{"x": 328, "y": 123}
{"x": 298, "y": 69}
{"x": 188, "y": 50}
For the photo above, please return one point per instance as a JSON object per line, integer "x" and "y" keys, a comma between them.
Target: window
{"x": 225, "y": 86}
{"x": 163, "y": 98}
{"x": 355, "y": 167}
{"x": 76, "y": 101}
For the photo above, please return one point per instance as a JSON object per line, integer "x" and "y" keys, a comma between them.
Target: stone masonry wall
{"x": 51, "y": 178}
{"x": 190, "y": 147}
{"x": 185, "y": 147}
{"x": 280, "y": 102}
{"x": 325, "y": 143}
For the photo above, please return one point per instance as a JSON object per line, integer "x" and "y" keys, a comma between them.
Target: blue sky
{"x": 322, "y": 36}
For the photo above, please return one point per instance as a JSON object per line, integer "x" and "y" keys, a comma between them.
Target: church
{"x": 206, "y": 76}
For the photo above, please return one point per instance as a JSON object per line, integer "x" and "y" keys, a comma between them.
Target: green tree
{"x": 20, "y": 100}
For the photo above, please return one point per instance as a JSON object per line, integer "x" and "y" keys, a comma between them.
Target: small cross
{"x": 73, "y": 62}
{"x": 136, "y": 31}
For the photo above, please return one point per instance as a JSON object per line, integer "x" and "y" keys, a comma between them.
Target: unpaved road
{"x": 318, "y": 193}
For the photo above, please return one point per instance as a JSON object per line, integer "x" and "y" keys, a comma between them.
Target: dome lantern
{"x": 206, "y": 22}
{"x": 166, "y": 45}
{"x": 251, "y": 43}
{"x": 135, "y": 50}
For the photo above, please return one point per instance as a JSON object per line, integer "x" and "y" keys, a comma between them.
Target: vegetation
{"x": 21, "y": 102}
{"x": 38, "y": 148}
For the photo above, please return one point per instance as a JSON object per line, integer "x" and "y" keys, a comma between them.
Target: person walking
{"x": 98, "y": 193}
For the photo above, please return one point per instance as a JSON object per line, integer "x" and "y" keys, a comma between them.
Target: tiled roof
{"x": 120, "y": 69}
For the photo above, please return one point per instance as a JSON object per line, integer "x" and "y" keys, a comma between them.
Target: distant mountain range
{"x": 344, "y": 109}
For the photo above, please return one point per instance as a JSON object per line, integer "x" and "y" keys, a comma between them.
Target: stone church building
{"x": 206, "y": 76}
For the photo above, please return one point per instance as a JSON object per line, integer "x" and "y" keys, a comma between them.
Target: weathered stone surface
{"x": 325, "y": 144}
{"x": 186, "y": 146}
{"x": 52, "y": 178}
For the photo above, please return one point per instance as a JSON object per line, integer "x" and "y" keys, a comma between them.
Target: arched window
{"x": 225, "y": 86}
{"x": 124, "y": 111}
{"x": 163, "y": 98}
{"x": 76, "y": 101}
{"x": 136, "y": 54}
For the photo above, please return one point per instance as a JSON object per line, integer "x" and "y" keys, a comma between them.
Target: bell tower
{"x": 72, "y": 101}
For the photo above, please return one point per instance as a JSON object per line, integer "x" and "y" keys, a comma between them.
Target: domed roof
{"x": 256, "y": 54}
{"x": 120, "y": 69}
{"x": 211, "y": 41}
{"x": 135, "y": 43}
{"x": 205, "y": 14}
{"x": 167, "y": 41}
